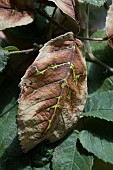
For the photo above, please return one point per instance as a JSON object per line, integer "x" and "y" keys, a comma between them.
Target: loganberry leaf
{"x": 53, "y": 92}
{"x": 66, "y": 156}
{"x": 66, "y": 6}
{"x": 100, "y": 104}
{"x": 100, "y": 147}
{"x": 71, "y": 10}
{"x": 15, "y": 13}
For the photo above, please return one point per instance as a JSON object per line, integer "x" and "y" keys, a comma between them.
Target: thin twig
{"x": 96, "y": 60}
{"x": 90, "y": 56}
{"x": 37, "y": 47}
{"x": 95, "y": 39}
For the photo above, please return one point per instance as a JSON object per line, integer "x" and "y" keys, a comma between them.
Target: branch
{"x": 37, "y": 47}
{"x": 91, "y": 57}
{"x": 95, "y": 39}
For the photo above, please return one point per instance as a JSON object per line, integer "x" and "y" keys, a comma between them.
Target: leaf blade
{"x": 101, "y": 147}
{"x": 17, "y": 18}
{"x": 50, "y": 104}
{"x": 67, "y": 7}
{"x": 101, "y": 114}
{"x": 67, "y": 157}
{"x": 100, "y": 103}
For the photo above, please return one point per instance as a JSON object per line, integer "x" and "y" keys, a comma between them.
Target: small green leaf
{"x": 3, "y": 59}
{"x": 97, "y": 145}
{"x": 67, "y": 157}
{"x": 11, "y": 48}
{"x": 96, "y": 2}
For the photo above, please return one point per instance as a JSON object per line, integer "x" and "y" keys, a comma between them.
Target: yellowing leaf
{"x": 15, "y": 13}
{"x": 53, "y": 92}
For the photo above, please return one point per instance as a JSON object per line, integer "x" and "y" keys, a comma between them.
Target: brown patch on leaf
{"x": 15, "y": 13}
{"x": 53, "y": 92}
{"x": 109, "y": 25}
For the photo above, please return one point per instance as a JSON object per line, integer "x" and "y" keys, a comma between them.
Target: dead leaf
{"x": 53, "y": 92}
{"x": 67, "y": 6}
{"x": 15, "y": 13}
{"x": 69, "y": 18}
{"x": 65, "y": 21}
{"x": 109, "y": 25}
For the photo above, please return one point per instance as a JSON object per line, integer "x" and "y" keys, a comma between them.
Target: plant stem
{"x": 96, "y": 60}
{"x": 88, "y": 48}
{"x": 37, "y": 47}
{"x": 94, "y": 39}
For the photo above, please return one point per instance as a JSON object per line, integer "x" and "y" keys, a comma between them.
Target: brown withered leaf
{"x": 109, "y": 25}
{"x": 67, "y": 6}
{"x": 15, "y": 13}
{"x": 53, "y": 92}
{"x": 71, "y": 10}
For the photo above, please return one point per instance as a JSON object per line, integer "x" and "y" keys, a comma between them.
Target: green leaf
{"x": 100, "y": 127}
{"x": 106, "y": 86}
{"x": 11, "y": 155}
{"x": 97, "y": 145}
{"x": 100, "y": 103}
{"x": 96, "y": 72}
{"x": 96, "y": 2}
{"x": 11, "y": 48}
{"x": 66, "y": 156}
{"x": 102, "y": 114}
{"x": 3, "y": 59}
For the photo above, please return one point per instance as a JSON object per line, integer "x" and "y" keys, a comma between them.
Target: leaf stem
{"x": 88, "y": 48}
{"x": 96, "y": 60}
{"x": 95, "y": 39}
{"x": 37, "y": 47}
